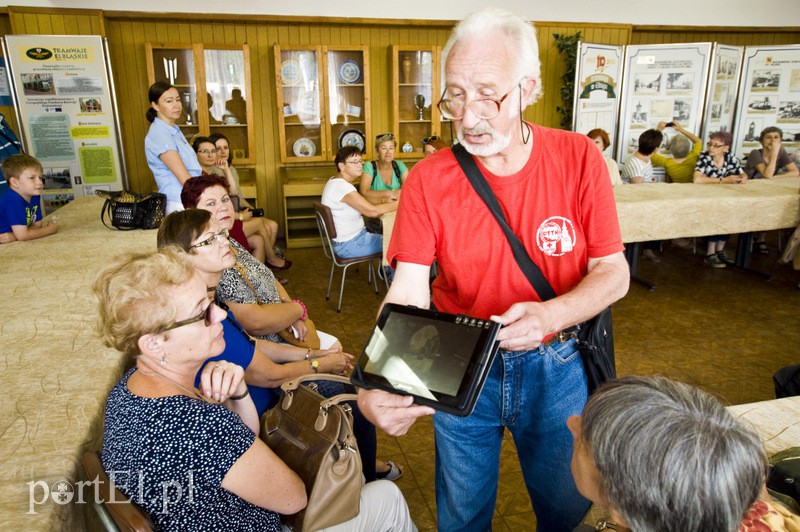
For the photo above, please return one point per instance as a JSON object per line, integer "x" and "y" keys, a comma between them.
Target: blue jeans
{"x": 532, "y": 393}
{"x": 362, "y": 244}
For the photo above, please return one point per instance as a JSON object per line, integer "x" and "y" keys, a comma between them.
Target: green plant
{"x": 568, "y": 46}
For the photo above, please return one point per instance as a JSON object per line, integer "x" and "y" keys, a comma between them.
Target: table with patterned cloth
{"x": 56, "y": 373}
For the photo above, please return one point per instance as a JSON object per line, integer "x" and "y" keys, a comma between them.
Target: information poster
{"x": 67, "y": 113}
{"x": 723, "y": 86}
{"x": 769, "y": 96}
{"x": 661, "y": 83}
{"x": 597, "y": 78}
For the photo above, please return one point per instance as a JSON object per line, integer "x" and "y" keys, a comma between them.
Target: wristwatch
{"x": 314, "y": 365}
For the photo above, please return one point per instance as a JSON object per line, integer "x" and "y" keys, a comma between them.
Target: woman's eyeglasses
{"x": 430, "y": 139}
{"x": 218, "y": 237}
{"x": 207, "y": 152}
{"x": 714, "y": 145}
{"x": 205, "y": 315}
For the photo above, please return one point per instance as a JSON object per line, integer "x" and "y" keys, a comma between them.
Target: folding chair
{"x": 327, "y": 232}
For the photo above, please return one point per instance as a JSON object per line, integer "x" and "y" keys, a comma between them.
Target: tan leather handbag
{"x": 314, "y": 437}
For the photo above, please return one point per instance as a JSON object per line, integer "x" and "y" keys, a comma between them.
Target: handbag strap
{"x": 293, "y": 384}
{"x": 524, "y": 261}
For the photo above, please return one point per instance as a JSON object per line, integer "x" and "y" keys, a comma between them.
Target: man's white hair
{"x": 492, "y": 21}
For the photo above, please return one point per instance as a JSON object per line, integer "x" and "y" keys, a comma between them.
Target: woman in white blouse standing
{"x": 169, "y": 155}
{"x": 348, "y": 206}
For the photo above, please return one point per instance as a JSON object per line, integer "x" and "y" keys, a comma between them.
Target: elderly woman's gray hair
{"x": 492, "y": 21}
{"x": 680, "y": 146}
{"x": 670, "y": 456}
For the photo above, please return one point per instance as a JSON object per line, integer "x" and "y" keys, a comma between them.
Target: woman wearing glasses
{"x": 382, "y": 178}
{"x": 161, "y": 432}
{"x": 348, "y": 207}
{"x": 169, "y": 155}
{"x": 260, "y": 232}
{"x": 717, "y": 165}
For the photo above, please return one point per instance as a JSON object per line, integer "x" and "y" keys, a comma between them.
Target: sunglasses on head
{"x": 386, "y": 136}
{"x": 430, "y": 139}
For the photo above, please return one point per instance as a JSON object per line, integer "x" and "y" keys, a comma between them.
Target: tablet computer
{"x": 440, "y": 359}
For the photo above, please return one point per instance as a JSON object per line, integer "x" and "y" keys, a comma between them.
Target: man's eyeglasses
{"x": 714, "y": 145}
{"x": 207, "y": 152}
{"x": 430, "y": 139}
{"x": 484, "y": 108}
{"x": 205, "y": 315}
{"x": 218, "y": 237}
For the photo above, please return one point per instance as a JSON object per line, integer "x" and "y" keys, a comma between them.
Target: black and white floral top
{"x": 170, "y": 454}
{"x": 233, "y": 287}
{"x": 731, "y": 166}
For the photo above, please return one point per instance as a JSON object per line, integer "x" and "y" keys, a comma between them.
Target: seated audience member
{"x": 348, "y": 207}
{"x": 638, "y": 169}
{"x": 717, "y": 165}
{"x": 21, "y": 204}
{"x": 601, "y": 140}
{"x": 432, "y": 145}
{"x": 258, "y": 225}
{"x": 382, "y": 178}
{"x": 662, "y": 455}
{"x": 685, "y": 149}
{"x": 155, "y": 308}
{"x": 260, "y": 232}
{"x": 267, "y": 364}
{"x": 770, "y": 161}
{"x": 250, "y": 289}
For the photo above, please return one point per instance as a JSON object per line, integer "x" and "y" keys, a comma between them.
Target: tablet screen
{"x": 439, "y": 358}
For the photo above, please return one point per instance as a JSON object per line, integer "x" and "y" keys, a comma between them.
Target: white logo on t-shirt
{"x": 556, "y": 236}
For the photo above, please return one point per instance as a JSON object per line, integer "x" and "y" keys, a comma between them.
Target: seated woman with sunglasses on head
{"x": 169, "y": 439}
{"x": 382, "y": 178}
{"x": 348, "y": 206}
{"x": 432, "y": 145}
{"x": 267, "y": 364}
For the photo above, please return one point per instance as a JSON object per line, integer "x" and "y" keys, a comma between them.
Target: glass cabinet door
{"x": 228, "y": 99}
{"x": 299, "y": 99}
{"x": 175, "y": 65}
{"x": 413, "y": 75}
{"x": 348, "y": 99}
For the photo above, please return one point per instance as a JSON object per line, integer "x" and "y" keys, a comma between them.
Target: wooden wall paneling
{"x": 733, "y": 36}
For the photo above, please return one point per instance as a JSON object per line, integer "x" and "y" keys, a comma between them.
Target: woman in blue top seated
{"x": 169, "y": 155}
{"x": 191, "y": 458}
{"x": 267, "y": 364}
{"x": 382, "y": 178}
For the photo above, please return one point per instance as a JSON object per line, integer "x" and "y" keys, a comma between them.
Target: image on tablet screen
{"x": 420, "y": 358}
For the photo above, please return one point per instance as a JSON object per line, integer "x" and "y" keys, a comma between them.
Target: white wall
{"x": 669, "y": 12}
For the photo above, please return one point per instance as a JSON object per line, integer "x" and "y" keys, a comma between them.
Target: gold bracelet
{"x": 239, "y": 397}
{"x": 308, "y": 353}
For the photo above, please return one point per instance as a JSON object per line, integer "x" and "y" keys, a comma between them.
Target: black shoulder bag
{"x": 594, "y": 337}
{"x": 127, "y": 211}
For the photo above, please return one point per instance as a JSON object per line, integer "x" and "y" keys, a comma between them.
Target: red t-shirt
{"x": 560, "y": 205}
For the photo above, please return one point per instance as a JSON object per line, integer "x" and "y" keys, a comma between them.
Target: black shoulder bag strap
{"x": 524, "y": 261}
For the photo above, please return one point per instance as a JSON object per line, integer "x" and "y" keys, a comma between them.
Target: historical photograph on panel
{"x": 726, "y": 67}
{"x": 794, "y": 80}
{"x": 640, "y": 113}
{"x": 680, "y": 81}
{"x": 38, "y": 84}
{"x": 789, "y": 111}
{"x": 716, "y": 111}
{"x": 682, "y": 109}
{"x": 762, "y": 104}
{"x": 647, "y": 83}
{"x": 766, "y": 80}
{"x": 754, "y": 127}
{"x": 661, "y": 109}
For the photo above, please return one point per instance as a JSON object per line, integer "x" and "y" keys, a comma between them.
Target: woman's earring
{"x": 163, "y": 361}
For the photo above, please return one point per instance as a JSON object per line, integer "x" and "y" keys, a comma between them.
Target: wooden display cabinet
{"x": 322, "y": 95}
{"x": 416, "y": 89}
{"x": 299, "y": 220}
{"x": 224, "y": 71}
